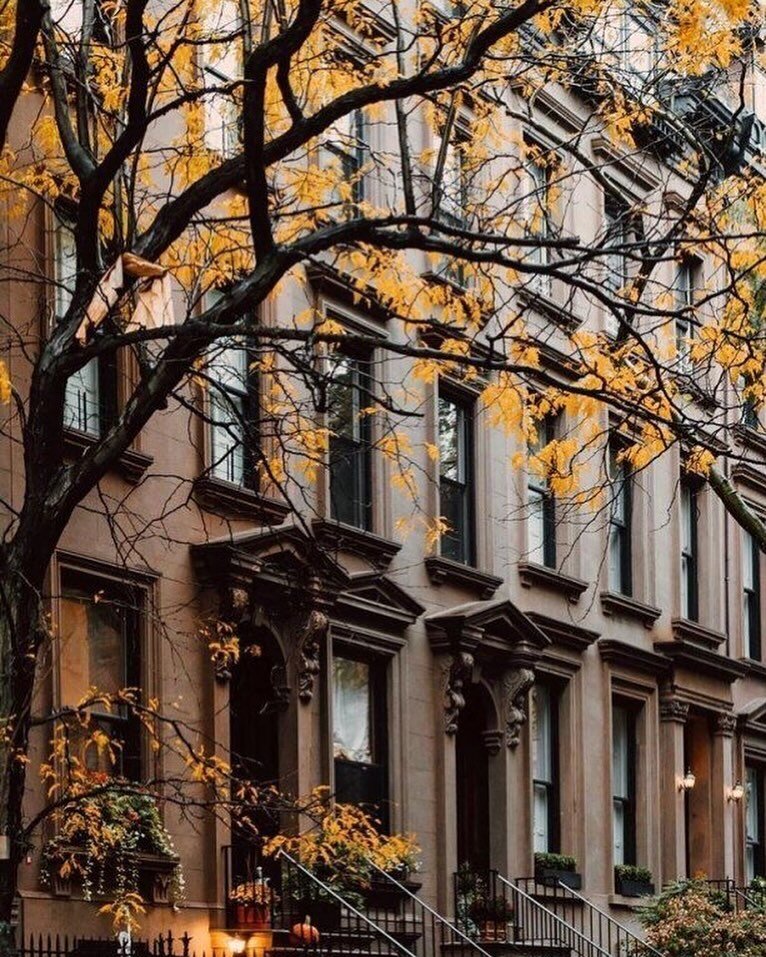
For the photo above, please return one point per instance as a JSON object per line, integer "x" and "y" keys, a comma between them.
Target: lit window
{"x": 456, "y": 478}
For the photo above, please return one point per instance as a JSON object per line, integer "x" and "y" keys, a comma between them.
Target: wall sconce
{"x": 235, "y": 945}
{"x": 736, "y": 793}
{"x": 687, "y": 782}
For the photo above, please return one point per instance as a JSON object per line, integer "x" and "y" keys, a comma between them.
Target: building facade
{"x": 539, "y": 680}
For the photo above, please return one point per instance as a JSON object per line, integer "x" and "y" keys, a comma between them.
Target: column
{"x": 723, "y": 810}
{"x": 673, "y": 715}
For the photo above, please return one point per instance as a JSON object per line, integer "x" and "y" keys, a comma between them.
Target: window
{"x": 545, "y": 768}
{"x": 100, "y": 633}
{"x": 623, "y": 785}
{"x": 451, "y": 201}
{"x": 91, "y": 393}
{"x": 619, "y": 524}
{"x": 687, "y": 290}
{"x": 750, "y": 414}
{"x": 221, "y": 67}
{"x": 618, "y": 233}
{"x": 347, "y": 149}
{"x": 360, "y": 733}
{"x": 350, "y": 440}
{"x": 754, "y": 809}
{"x": 456, "y": 478}
{"x": 751, "y": 596}
{"x": 541, "y": 519}
{"x": 689, "y": 584}
{"x": 233, "y": 414}
{"x": 538, "y": 219}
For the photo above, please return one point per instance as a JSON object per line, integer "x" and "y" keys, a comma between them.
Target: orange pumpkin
{"x": 304, "y": 934}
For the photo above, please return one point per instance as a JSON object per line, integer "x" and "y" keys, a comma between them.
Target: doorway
{"x": 698, "y": 758}
{"x": 472, "y": 780}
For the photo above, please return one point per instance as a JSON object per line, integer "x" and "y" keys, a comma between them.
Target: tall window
{"x": 688, "y": 283}
{"x": 100, "y": 637}
{"x": 233, "y": 414}
{"x": 451, "y": 196}
{"x": 755, "y": 866}
{"x": 618, "y": 226}
{"x": 541, "y": 518}
{"x": 689, "y": 581}
{"x": 545, "y": 768}
{"x": 619, "y": 524}
{"x": 220, "y": 68}
{"x": 456, "y": 478}
{"x": 538, "y": 220}
{"x": 87, "y": 404}
{"x": 360, "y": 733}
{"x": 350, "y": 440}
{"x": 347, "y": 149}
{"x": 623, "y": 785}
{"x": 751, "y": 596}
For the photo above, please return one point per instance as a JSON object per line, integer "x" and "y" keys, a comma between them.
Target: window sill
{"x": 549, "y": 308}
{"x": 627, "y": 607}
{"x": 531, "y": 573}
{"x": 693, "y": 631}
{"x": 338, "y": 536}
{"x": 627, "y": 903}
{"x": 225, "y": 498}
{"x": 755, "y": 667}
{"x": 441, "y": 570}
{"x": 131, "y": 465}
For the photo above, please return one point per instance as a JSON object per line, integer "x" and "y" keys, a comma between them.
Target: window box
{"x": 383, "y": 894}
{"x": 552, "y": 869}
{"x": 633, "y": 882}
{"x": 155, "y": 873}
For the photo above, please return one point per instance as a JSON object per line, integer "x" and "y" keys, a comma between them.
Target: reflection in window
{"x": 456, "y": 479}
{"x": 348, "y": 394}
{"x": 100, "y": 649}
{"x": 544, "y": 768}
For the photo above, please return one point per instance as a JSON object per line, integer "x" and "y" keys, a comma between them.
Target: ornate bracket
{"x": 673, "y": 709}
{"x": 459, "y": 673}
{"x": 310, "y": 640}
{"x": 726, "y": 724}
{"x": 515, "y": 686}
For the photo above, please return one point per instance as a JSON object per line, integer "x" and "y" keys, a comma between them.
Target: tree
{"x": 183, "y": 136}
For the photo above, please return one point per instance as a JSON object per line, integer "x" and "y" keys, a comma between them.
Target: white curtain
{"x": 352, "y": 710}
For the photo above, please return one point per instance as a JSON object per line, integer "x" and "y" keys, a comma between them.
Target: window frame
{"x": 353, "y": 160}
{"x": 466, "y": 406}
{"x": 689, "y": 493}
{"x": 758, "y": 846}
{"x": 552, "y": 788}
{"x": 623, "y": 527}
{"x": 541, "y": 488}
{"x": 538, "y": 201}
{"x": 686, "y": 323}
{"x": 244, "y": 403}
{"x": 361, "y": 453}
{"x": 627, "y": 802}
{"x": 751, "y": 595}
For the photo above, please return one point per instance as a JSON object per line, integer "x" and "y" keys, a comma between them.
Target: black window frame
{"x": 378, "y": 768}
{"x": 686, "y": 293}
{"x": 121, "y": 724}
{"x": 623, "y": 526}
{"x": 541, "y": 488}
{"x": 249, "y": 420}
{"x": 553, "y": 787}
{"x": 460, "y": 545}
{"x": 618, "y": 226}
{"x": 352, "y": 160}
{"x": 752, "y": 600}
{"x": 628, "y": 802}
{"x": 690, "y": 550}
{"x": 355, "y": 451}
{"x": 760, "y": 844}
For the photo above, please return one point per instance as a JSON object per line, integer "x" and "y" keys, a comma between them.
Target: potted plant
{"x": 491, "y": 916}
{"x": 632, "y": 881}
{"x": 252, "y": 902}
{"x": 552, "y": 869}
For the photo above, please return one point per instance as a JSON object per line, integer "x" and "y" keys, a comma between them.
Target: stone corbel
{"x": 726, "y": 724}
{"x": 516, "y": 686}
{"x": 673, "y": 709}
{"x": 458, "y": 674}
{"x": 311, "y": 636}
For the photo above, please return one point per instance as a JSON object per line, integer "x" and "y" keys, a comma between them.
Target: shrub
{"x": 630, "y": 872}
{"x": 555, "y": 862}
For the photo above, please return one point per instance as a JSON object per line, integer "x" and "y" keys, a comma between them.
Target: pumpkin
{"x": 304, "y": 933}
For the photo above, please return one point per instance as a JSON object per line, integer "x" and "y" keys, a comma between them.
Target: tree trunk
{"x": 21, "y": 634}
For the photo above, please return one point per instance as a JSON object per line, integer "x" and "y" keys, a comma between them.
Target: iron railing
{"x": 393, "y": 904}
{"x": 737, "y": 898}
{"x": 342, "y": 927}
{"x": 121, "y": 945}
{"x": 609, "y": 934}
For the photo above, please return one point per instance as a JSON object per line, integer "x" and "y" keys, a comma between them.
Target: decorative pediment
{"x": 374, "y": 599}
{"x": 753, "y": 717}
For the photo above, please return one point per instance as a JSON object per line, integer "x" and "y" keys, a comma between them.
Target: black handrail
{"x": 438, "y": 935}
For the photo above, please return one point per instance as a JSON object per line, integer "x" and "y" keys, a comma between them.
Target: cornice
{"x": 624, "y": 606}
{"x": 749, "y": 475}
{"x": 549, "y": 308}
{"x": 564, "y": 633}
{"x": 694, "y": 632}
{"x": 441, "y": 570}
{"x": 531, "y": 573}
{"x": 338, "y": 537}
{"x": 225, "y": 498}
{"x": 131, "y": 464}
{"x": 626, "y": 655}
{"x": 702, "y": 660}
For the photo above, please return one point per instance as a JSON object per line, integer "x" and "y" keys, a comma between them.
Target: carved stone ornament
{"x": 459, "y": 673}
{"x": 671, "y": 709}
{"x": 516, "y": 686}
{"x": 726, "y": 724}
{"x": 311, "y": 637}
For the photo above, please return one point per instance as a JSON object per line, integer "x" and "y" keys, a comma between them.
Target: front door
{"x": 472, "y": 782}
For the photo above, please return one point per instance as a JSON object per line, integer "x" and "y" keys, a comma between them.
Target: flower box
{"x": 632, "y": 881}
{"x": 552, "y": 876}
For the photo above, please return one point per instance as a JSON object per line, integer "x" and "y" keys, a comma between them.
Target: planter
{"x": 324, "y": 914}
{"x": 384, "y": 895}
{"x": 631, "y": 888}
{"x": 253, "y": 916}
{"x": 493, "y": 930}
{"x": 550, "y": 877}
